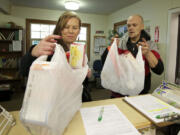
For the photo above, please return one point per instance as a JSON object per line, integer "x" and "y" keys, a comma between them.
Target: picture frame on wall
{"x": 121, "y": 27}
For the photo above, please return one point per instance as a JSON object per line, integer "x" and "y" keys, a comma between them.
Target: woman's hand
{"x": 46, "y": 46}
{"x": 89, "y": 73}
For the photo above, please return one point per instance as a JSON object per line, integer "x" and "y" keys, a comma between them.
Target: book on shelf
{"x": 5, "y": 87}
{"x": 18, "y": 35}
{"x": 1, "y": 62}
{"x": 10, "y": 63}
{"x": 15, "y": 35}
{"x": 2, "y": 36}
{"x": 6, "y": 77}
{"x": 10, "y": 36}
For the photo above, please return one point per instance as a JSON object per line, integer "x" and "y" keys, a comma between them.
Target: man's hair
{"x": 137, "y": 15}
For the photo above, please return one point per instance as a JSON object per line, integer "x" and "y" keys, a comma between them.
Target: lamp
{"x": 72, "y": 5}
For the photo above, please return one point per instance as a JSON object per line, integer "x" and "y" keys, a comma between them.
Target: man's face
{"x": 134, "y": 25}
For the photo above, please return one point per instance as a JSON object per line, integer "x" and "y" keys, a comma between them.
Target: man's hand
{"x": 89, "y": 73}
{"x": 46, "y": 46}
{"x": 151, "y": 58}
{"x": 145, "y": 47}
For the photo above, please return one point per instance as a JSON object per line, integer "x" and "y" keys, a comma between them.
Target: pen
{"x": 161, "y": 116}
{"x": 101, "y": 114}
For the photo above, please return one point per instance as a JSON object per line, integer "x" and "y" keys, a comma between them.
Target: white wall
{"x": 19, "y": 14}
{"x": 156, "y": 12}
{"x": 5, "y": 6}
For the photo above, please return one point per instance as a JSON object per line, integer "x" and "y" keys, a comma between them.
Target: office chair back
{"x": 97, "y": 66}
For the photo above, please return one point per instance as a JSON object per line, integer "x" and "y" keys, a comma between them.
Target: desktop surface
{"x": 76, "y": 126}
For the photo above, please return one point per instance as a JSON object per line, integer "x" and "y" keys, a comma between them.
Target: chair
{"x": 97, "y": 67}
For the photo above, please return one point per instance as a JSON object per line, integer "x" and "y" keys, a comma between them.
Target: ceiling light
{"x": 72, "y": 5}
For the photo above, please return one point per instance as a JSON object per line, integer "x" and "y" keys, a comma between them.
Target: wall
{"x": 19, "y": 14}
{"x": 5, "y": 6}
{"x": 156, "y": 12}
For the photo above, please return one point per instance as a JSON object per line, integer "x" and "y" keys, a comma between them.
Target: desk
{"x": 76, "y": 127}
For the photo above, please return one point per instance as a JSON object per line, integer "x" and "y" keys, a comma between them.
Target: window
{"x": 84, "y": 36}
{"x": 38, "y": 29}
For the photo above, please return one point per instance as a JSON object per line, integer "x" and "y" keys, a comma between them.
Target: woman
{"x": 65, "y": 33}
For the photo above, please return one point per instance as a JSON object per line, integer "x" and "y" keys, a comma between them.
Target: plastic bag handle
{"x": 139, "y": 56}
{"x": 42, "y": 58}
{"x": 57, "y": 50}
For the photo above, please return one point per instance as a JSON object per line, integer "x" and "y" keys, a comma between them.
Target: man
{"x": 138, "y": 37}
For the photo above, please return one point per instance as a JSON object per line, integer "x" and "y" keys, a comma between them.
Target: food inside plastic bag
{"x": 123, "y": 73}
{"x": 53, "y": 94}
{"x": 77, "y": 55}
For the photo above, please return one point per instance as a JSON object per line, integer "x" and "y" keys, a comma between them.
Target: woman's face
{"x": 71, "y": 31}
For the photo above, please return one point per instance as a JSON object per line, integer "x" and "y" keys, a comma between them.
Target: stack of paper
{"x": 152, "y": 107}
{"x": 106, "y": 120}
{"x": 169, "y": 93}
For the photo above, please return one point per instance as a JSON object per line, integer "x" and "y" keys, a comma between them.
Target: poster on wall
{"x": 156, "y": 34}
{"x": 99, "y": 41}
{"x": 122, "y": 30}
{"x": 121, "y": 27}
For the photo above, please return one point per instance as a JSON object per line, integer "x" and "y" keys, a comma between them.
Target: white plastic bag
{"x": 123, "y": 73}
{"x": 53, "y": 94}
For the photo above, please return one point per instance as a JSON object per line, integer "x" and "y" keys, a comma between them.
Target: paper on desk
{"x": 151, "y": 106}
{"x": 113, "y": 121}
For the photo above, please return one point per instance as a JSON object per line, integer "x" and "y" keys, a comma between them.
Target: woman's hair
{"x": 61, "y": 24}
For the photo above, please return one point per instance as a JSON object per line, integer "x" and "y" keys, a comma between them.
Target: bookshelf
{"x": 11, "y": 50}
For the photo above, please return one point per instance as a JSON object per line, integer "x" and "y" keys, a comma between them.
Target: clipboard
{"x": 152, "y": 107}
